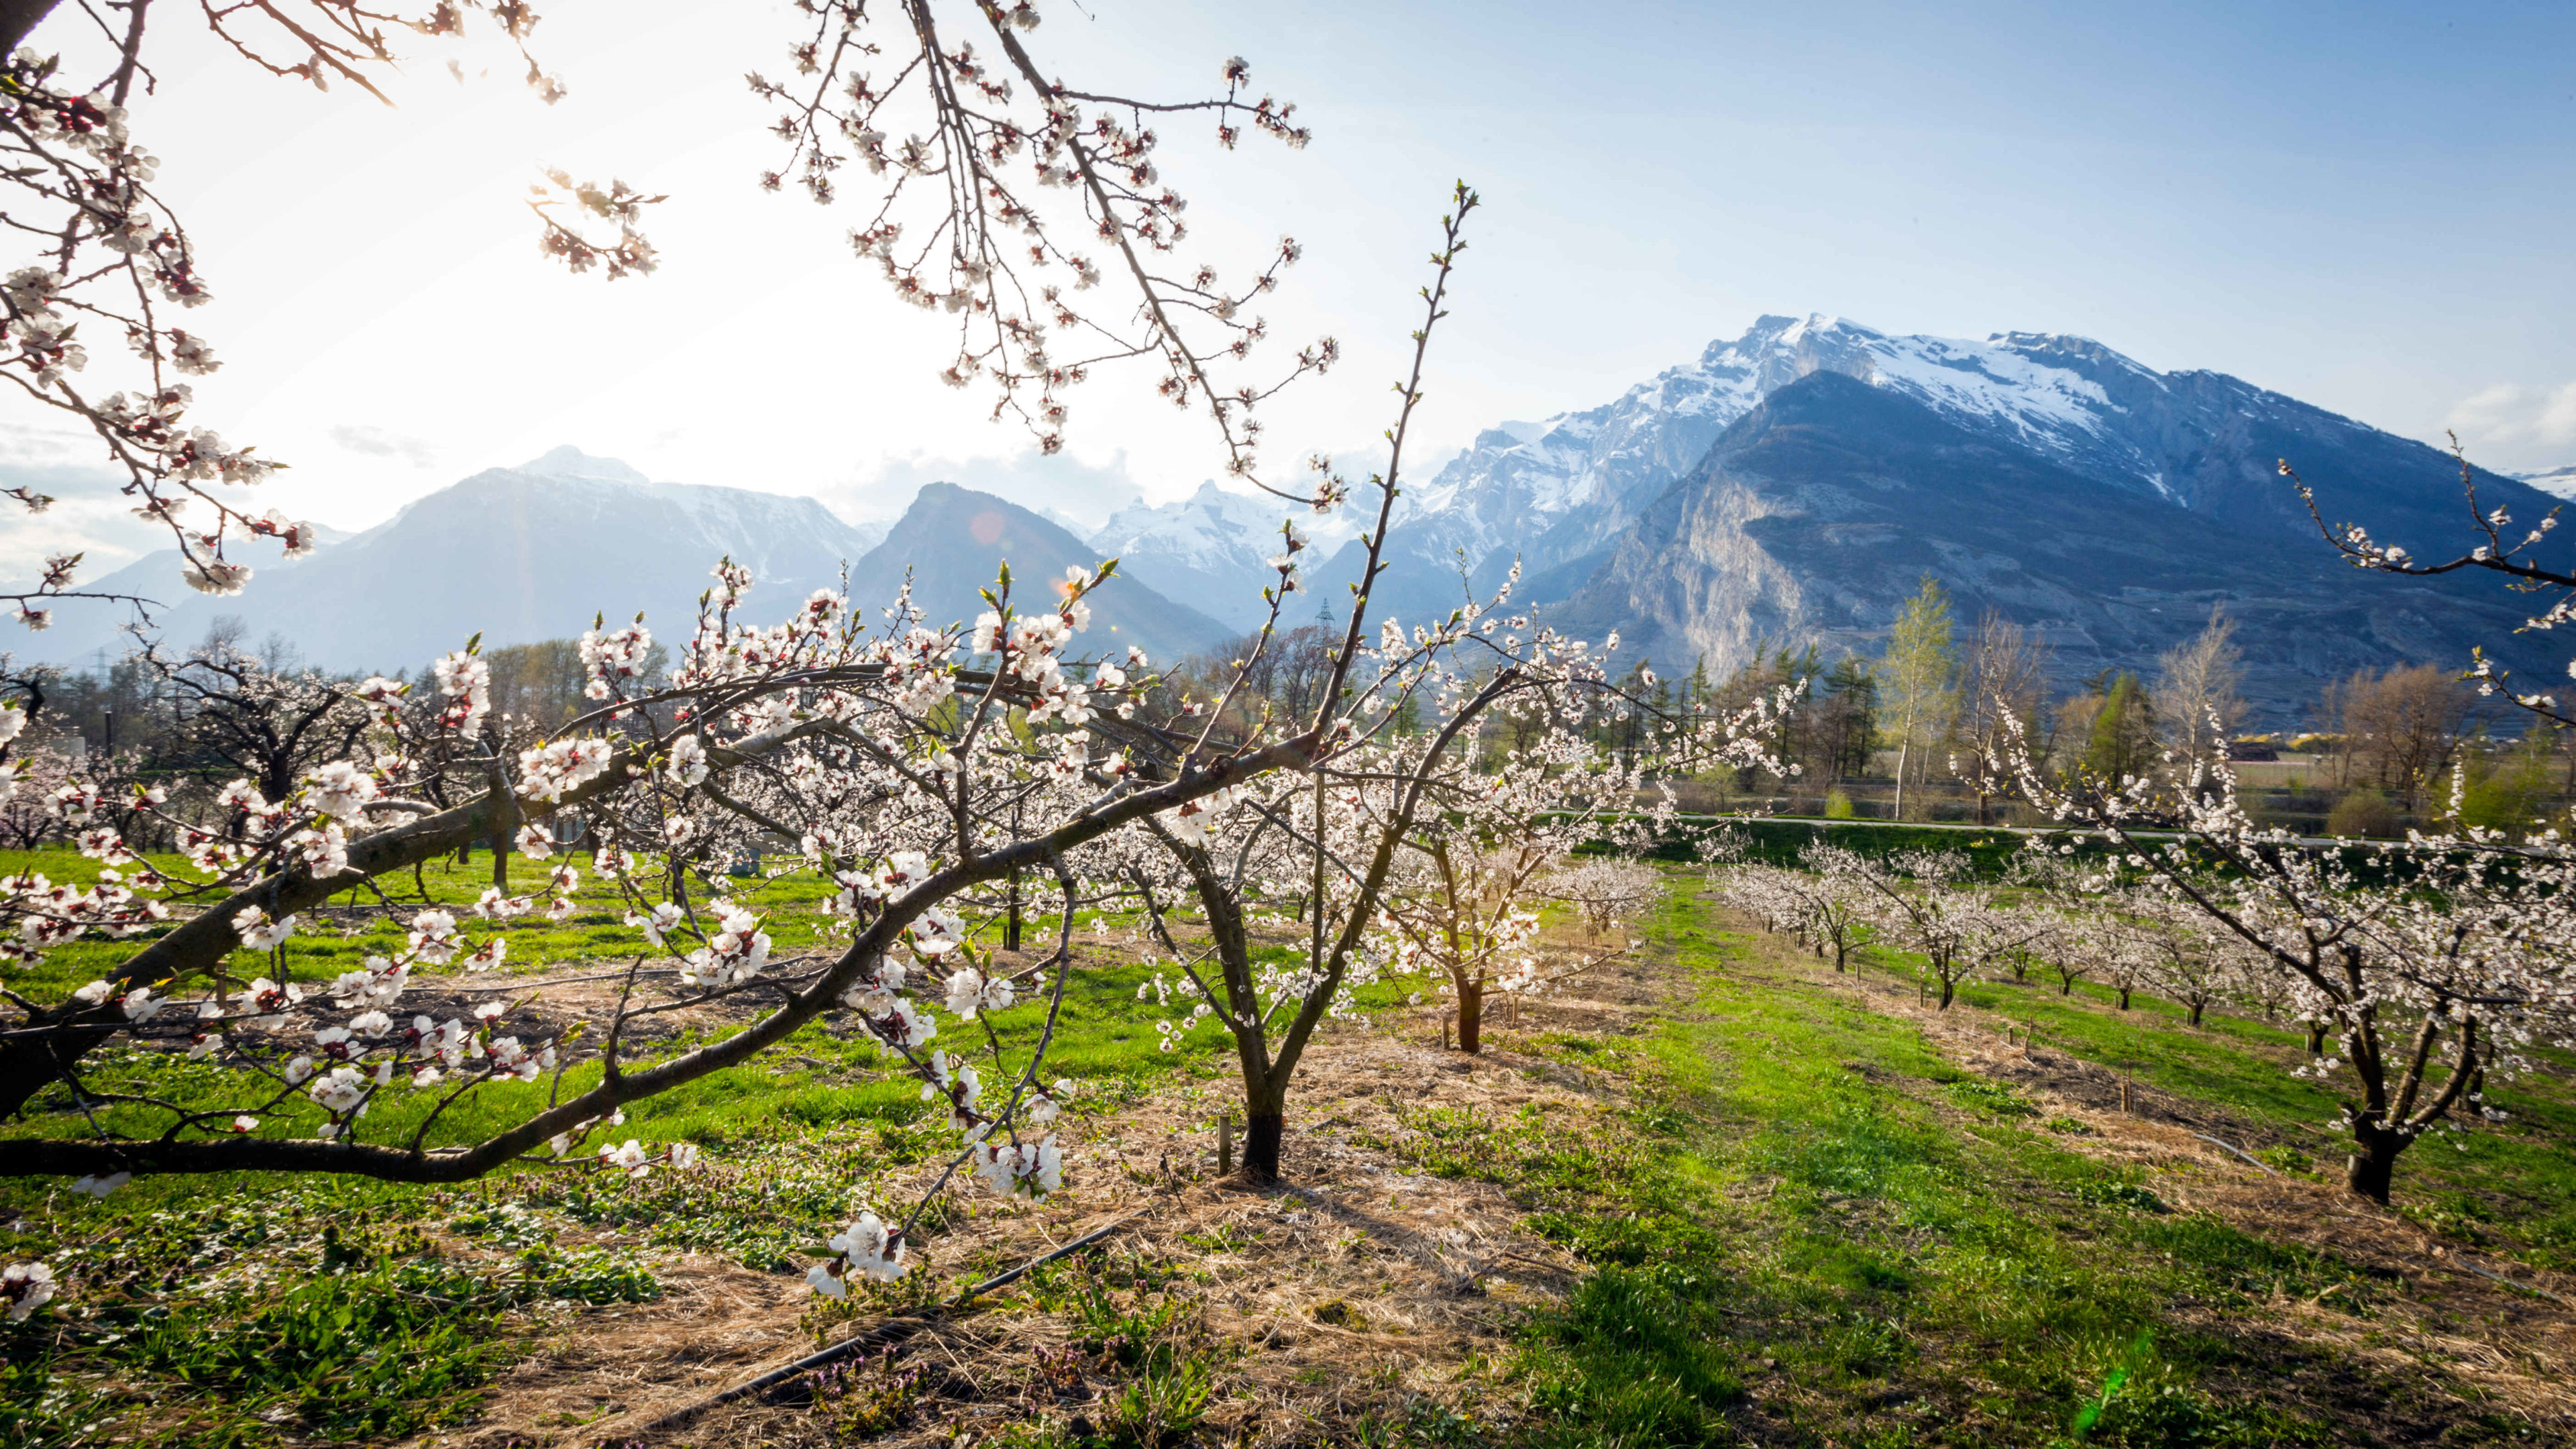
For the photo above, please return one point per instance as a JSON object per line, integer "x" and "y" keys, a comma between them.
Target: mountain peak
{"x": 569, "y": 462}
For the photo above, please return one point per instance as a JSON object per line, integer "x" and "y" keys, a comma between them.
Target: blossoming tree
{"x": 915, "y": 764}
{"x": 2430, "y": 966}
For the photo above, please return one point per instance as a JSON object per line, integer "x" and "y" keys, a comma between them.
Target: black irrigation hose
{"x": 857, "y": 1341}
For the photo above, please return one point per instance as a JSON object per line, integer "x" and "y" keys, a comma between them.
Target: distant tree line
{"x": 1924, "y": 730}
{"x": 191, "y": 719}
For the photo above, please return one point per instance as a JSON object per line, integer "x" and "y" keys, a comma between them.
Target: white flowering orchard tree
{"x": 916, "y": 765}
{"x": 1822, "y": 902}
{"x": 1921, "y": 898}
{"x": 1323, "y": 849}
{"x": 1401, "y": 852}
{"x": 2433, "y": 964}
{"x": 1484, "y": 849}
{"x": 1606, "y": 890}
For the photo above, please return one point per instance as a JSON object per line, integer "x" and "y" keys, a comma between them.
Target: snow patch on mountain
{"x": 2556, "y": 482}
{"x": 1556, "y": 489}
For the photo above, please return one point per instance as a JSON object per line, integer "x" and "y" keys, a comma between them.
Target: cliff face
{"x": 1816, "y": 515}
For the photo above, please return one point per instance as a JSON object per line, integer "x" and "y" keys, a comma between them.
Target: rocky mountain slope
{"x": 1815, "y": 516}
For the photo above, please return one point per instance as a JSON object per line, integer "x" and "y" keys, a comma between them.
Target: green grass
{"x": 248, "y": 1308}
{"x": 2509, "y": 1186}
{"x": 1815, "y": 1229}
{"x": 1803, "y": 1225}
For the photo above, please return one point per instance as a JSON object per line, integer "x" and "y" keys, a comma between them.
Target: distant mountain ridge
{"x": 952, "y": 541}
{"x": 1670, "y": 513}
{"x": 1816, "y": 515}
{"x": 536, "y": 551}
{"x": 1559, "y": 490}
{"x": 1214, "y": 547}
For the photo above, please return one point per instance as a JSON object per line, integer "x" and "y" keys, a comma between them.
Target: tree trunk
{"x": 2124, "y": 998}
{"x": 1262, "y": 1135}
{"x": 1011, "y": 927}
{"x": 2195, "y": 1013}
{"x": 1945, "y": 993}
{"x": 2316, "y": 1039}
{"x": 2373, "y": 1162}
{"x": 1471, "y": 1016}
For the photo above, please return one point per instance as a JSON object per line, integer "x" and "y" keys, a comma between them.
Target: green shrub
{"x": 2364, "y": 813}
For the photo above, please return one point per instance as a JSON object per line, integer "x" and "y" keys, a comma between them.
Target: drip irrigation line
{"x": 2532, "y": 1289}
{"x": 2239, "y": 1151}
{"x": 885, "y": 1333}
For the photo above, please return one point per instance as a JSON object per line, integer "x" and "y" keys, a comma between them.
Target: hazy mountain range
{"x": 1789, "y": 486}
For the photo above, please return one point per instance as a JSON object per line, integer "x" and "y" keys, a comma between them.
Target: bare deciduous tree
{"x": 2195, "y": 696}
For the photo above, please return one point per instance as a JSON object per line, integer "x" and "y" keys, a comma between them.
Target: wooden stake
{"x": 1444, "y": 1033}
{"x": 1225, "y": 1144}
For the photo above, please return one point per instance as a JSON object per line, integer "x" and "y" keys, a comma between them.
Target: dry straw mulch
{"x": 1354, "y": 1288}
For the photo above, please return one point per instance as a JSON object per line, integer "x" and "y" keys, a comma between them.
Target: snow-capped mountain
{"x": 1556, "y": 489}
{"x": 1815, "y": 517}
{"x": 1555, "y": 494}
{"x": 1213, "y": 547}
{"x": 2557, "y": 482}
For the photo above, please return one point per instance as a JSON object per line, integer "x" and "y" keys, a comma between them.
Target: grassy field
{"x": 1718, "y": 1195}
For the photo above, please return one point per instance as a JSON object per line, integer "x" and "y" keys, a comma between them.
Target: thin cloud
{"x": 379, "y": 443}
{"x": 2516, "y": 426}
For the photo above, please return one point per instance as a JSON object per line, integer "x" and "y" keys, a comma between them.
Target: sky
{"x": 2365, "y": 207}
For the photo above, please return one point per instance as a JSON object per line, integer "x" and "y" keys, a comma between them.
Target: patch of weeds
{"x": 321, "y": 1308}
{"x": 863, "y": 1397}
{"x": 2113, "y": 1193}
{"x": 1848, "y": 1266}
{"x": 1627, "y": 1360}
{"x": 756, "y": 1202}
{"x": 1226, "y": 1238}
{"x": 2288, "y": 1159}
{"x": 2457, "y": 1216}
{"x": 507, "y": 1225}
{"x": 1145, "y": 1342}
{"x": 585, "y": 1275}
{"x": 1159, "y": 1407}
{"x": 1339, "y": 1314}
{"x": 2220, "y": 1261}
{"x": 1998, "y": 1098}
{"x": 381, "y": 1353}
{"x": 2144, "y": 1403}
{"x": 2068, "y": 1127}
{"x": 1423, "y": 1422}
{"x": 1123, "y": 1334}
